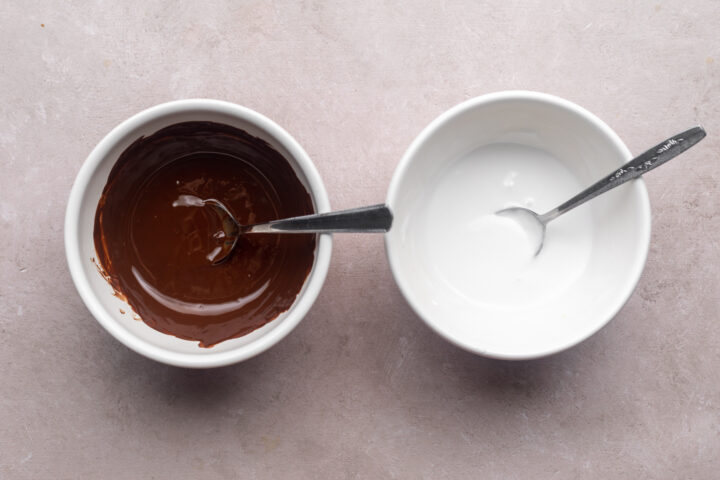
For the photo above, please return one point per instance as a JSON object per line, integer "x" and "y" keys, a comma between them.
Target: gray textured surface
{"x": 362, "y": 389}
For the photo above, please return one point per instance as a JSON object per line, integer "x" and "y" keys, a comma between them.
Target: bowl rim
{"x": 640, "y": 195}
{"x": 305, "y": 299}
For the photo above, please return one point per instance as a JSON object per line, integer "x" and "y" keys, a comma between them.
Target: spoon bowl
{"x": 530, "y": 222}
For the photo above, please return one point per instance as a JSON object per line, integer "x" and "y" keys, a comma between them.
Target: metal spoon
{"x": 535, "y": 224}
{"x": 376, "y": 218}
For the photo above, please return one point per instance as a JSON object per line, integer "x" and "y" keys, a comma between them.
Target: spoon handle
{"x": 653, "y": 158}
{"x": 377, "y": 218}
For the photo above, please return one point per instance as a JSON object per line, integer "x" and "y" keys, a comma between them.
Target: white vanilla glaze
{"x": 488, "y": 259}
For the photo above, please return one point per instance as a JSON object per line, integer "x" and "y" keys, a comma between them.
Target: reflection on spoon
{"x": 213, "y": 255}
{"x": 230, "y": 228}
{"x": 188, "y": 201}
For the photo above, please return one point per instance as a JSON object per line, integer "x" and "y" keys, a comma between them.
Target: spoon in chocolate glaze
{"x": 373, "y": 219}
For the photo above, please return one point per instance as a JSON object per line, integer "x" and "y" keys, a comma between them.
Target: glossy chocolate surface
{"x": 156, "y": 251}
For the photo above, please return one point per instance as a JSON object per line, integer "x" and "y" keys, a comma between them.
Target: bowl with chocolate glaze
{"x": 141, "y": 246}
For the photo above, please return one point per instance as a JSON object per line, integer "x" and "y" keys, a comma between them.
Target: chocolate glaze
{"x": 156, "y": 255}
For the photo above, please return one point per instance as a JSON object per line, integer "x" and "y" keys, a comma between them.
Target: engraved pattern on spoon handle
{"x": 653, "y": 158}
{"x": 376, "y": 218}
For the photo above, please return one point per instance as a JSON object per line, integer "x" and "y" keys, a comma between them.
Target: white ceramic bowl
{"x": 618, "y": 226}
{"x": 97, "y": 293}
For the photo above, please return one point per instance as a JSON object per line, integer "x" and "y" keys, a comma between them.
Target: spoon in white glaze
{"x": 535, "y": 224}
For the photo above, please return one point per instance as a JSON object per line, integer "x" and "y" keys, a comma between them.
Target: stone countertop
{"x": 362, "y": 388}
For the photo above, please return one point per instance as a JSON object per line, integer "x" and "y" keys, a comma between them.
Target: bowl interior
{"x": 618, "y": 225}
{"x": 98, "y": 294}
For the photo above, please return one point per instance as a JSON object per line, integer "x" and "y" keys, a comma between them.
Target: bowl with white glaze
{"x": 471, "y": 275}
{"x": 98, "y": 294}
